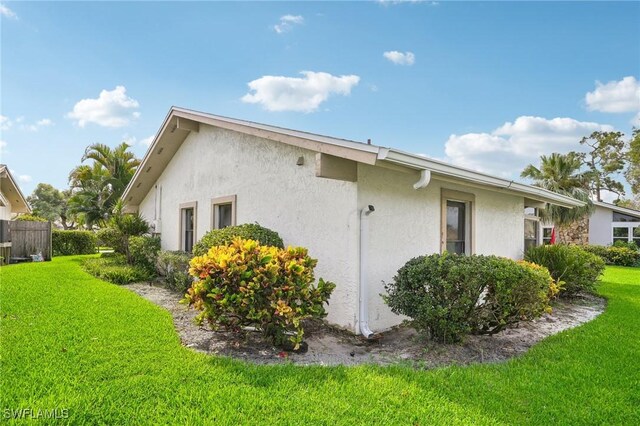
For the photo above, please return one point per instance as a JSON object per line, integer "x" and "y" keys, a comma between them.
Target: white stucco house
{"x": 12, "y": 202}
{"x": 610, "y": 223}
{"x": 361, "y": 210}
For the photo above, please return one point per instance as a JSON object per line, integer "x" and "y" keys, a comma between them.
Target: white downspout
{"x": 363, "y": 321}
{"x": 425, "y": 178}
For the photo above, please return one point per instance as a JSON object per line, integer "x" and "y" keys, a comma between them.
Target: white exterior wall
{"x": 5, "y": 211}
{"x": 600, "y": 231}
{"x": 406, "y": 223}
{"x": 271, "y": 189}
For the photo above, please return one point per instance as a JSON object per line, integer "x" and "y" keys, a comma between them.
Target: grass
{"x": 70, "y": 341}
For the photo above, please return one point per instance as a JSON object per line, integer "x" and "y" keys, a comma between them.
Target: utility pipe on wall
{"x": 425, "y": 178}
{"x": 363, "y": 321}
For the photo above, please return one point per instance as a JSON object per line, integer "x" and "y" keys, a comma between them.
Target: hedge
{"x": 66, "y": 243}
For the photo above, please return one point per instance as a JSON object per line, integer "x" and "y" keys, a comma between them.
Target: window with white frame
{"x": 531, "y": 228}
{"x": 223, "y": 212}
{"x": 188, "y": 216}
{"x": 547, "y": 232}
{"x": 457, "y": 222}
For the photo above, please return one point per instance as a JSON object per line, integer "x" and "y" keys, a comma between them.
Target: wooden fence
{"x": 29, "y": 238}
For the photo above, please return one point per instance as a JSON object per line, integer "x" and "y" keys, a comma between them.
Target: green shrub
{"x": 66, "y": 243}
{"x": 449, "y": 296}
{"x": 110, "y": 237}
{"x": 248, "y": 284}
{"x": 174, "y": 267}
{"x": 631, "y": 245}
{"x": 247, "y": 231}
{"x": 30, "y": 218}
{"x": 114, "y": 269}
{"x": 576, "y": 267}
{"x": 614, "y": 255}
{"x": 143, "y": 252}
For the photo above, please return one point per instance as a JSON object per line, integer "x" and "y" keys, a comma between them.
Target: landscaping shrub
{"x": 143, "y": 252}
{"x": 450, "y": 295}
{"x": 174, "y": 267}
{"x": 615, "y": 255}
{"x": 110, "y": 237}
{"x": 631, "y": 245}
{"x": 248, "y": 284}
{"x": 576, "y": 267}
{"x": 114, "y": 269}
{"x": 247, "y": 231}
{"x": 66, "y": 243}
{"x": 30, "y": 218}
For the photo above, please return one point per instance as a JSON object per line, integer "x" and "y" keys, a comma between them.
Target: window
{"x": 546, "y": 235}
{"x": 620, "y": 217}
{"x": 530, "y": 234}
{"x": 636, "y": 235}
{"x": 620, "y": 234}
{"x": 188, "y": 215}
{"x": 223, "y": 212}
{"x": 457, "y": 222}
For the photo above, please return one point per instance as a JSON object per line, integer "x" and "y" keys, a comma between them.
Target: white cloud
{"x": 6, "y": 12}
{"x": 111, "y": 109}
{"x": 5, "y": 122}
{"x": 147, "y": 141}
{"x": 508, "y": 149}
{"x": 615, "y": 96}
{"x": 399, "y": 58}
{"x": 24, "y": 178}
{"x": 45, "y": 122}
{"x": 287, "y": 22}
{"x": 278, "y": 93}
{"x": 3, "y": 145}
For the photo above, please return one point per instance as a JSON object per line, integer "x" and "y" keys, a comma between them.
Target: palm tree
{"x": 97, "y": 188}
{"x": 561, "y": 173}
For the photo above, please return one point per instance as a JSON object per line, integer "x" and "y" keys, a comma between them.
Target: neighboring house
{"x": 607, "y": 224}
{"x": 362, "y": 210}
{"x": 12, "y": 202}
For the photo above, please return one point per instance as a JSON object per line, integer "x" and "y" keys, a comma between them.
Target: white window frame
{"x": 630, "y": 227}
{"x": 218, "y": 201}
{"x": 191, "y": 205}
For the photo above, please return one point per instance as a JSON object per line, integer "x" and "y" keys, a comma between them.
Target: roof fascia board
{"x": 618, "y": 209}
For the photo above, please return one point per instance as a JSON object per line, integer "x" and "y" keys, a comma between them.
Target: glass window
{"x": 546, "y": 235}
{"x": 636, "y": 235}
{"x": 620, "y": 217}
{"x": 530, "y": 211}
{"x": 187, "y": 229}
{"x": 224, "y": 215}
{"x": 620, "y": 234}
{"x": 456, "y": 227}
{"x": 530, "y": 234}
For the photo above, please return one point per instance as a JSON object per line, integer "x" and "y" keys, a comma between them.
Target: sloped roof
{"x": 619, "y": 209}
{"x": 179, "y": 122}
{"x": 10, "y": 191}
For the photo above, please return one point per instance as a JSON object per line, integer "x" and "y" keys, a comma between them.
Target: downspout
{"x": 363, "y": 321}
{"x": 425, "y": 178}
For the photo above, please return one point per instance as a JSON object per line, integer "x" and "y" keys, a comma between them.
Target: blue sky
{"x": 484, "y": 85}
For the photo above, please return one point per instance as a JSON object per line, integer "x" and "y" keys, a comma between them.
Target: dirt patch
{"x": 329, "y": 346}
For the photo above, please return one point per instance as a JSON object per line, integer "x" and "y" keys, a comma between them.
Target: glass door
{"x": 187, "y": 229}
{"x": 456, "y": 227}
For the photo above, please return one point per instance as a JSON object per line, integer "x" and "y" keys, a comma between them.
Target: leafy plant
{"x": 449, "y": 295}
{"x": 30, "y": 218}
{"x": 143, "y": 251}
{"x": 247, "y": 231}
{"x": 248, "y": 284}
{"x": 615, "y": 255}
{"x": 174, "y": 267}
{"x": 66, "y": 243}
{"x": 115, "y": 269}
{"x": 631, "y": 245}
{"x": 576, "y": 267}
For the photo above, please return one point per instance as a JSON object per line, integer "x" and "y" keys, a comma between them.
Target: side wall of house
{"x": 5, "y": 211}
{"x": 271, "y": 189}
{"x": 600, "y": 226}
{"x": 407, "y": 223}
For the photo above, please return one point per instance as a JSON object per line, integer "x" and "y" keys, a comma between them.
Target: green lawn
{"x": 70, "y": 341}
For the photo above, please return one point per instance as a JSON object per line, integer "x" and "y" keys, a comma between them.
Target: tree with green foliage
{"x": 52, "y": 204}
{"x": 96, "y": 188}
{"x": 632, "y": 174}
{"x": 605, "y": 158}
{"x": 561, "y": 173}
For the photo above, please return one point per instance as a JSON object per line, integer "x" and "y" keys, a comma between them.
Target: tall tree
{"x": 561, "y": 173}
{"x": 51, "y": 204}
{"x": 97, "y": 188}
{"x": 632, "y": 174}
{"x": 603, "y": 161}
